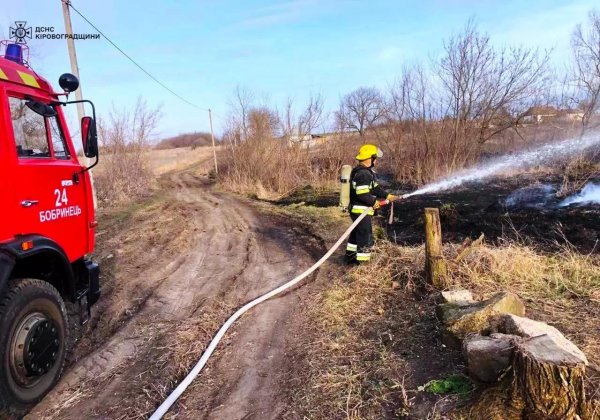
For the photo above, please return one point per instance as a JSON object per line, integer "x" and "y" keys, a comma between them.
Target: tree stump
{"x": 435, "y": 265}
{"x": 547, "y": 383}
{"x": 550, "y": 379}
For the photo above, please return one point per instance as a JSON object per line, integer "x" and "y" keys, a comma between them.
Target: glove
{"x": 392, "y": 197}
{"x": 380, "y": 203}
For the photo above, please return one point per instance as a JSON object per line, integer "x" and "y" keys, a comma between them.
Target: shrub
{"x": 125, "y": 137}
{"x": 269, "y": 167}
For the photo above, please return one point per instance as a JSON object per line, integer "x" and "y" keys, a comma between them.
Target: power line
{"x": 68, "y": 3}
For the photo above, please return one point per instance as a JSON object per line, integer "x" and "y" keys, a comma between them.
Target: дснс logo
{"x": 20, "y": 32}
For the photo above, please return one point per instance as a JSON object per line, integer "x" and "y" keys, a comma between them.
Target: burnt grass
{"x": 523, "y": 208}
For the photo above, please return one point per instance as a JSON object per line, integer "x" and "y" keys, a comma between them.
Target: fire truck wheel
{"x": 33, "y": 337}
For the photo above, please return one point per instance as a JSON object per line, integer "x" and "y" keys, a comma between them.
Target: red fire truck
{"x": 47, "y": 229}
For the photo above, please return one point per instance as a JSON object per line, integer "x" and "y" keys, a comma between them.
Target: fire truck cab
{"x": 47, "y": 227}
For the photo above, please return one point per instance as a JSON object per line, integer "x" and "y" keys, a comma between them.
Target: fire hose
{"x": 172, "y": 398}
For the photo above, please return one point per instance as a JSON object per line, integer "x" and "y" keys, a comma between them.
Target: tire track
{"x": 237, "y": 253}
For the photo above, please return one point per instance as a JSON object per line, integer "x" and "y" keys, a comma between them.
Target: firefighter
{"x": 365, "y": 195}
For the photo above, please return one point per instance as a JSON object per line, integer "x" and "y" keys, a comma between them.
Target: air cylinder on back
{"x": 345, "y": 188}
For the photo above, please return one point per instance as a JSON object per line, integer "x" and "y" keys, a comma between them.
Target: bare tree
{"x": 312, "y": 116}
{"x": 361, "y": 109}
{"x": 241, "y": 104}
{"x": 399, "y": 95}
{"x": 410, "y": 98}
{"x": 299, "y": 128}
{"x": 488, "y": 90}
{"x": 232, "y": 132}
{"x": 586, "y": 49}
{"x": 144, "y": 123}
{"x": 288, "y": 120}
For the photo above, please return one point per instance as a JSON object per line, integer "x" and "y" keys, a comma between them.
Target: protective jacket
{"x": 364, "y": 192}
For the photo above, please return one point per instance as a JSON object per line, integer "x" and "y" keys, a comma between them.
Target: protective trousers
{"x": 360, "y": 240}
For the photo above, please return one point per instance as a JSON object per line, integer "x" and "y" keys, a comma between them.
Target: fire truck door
{"x": 47, "y": 188}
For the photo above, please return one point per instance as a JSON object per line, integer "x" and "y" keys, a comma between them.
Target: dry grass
{"x": 566, "y": 274}
{"x": 122, "y": 178}
{"x": 128, "y": 177}
{"x": 364, "y": 328}
{"x": 269, "y": 168}
{"x": 163, "y": 161}
{"x": 358, "y": 324}
{"x": 125, "y": 135}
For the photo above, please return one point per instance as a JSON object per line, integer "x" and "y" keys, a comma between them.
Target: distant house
{"x": 308, "y": 140}
{"x": 539, "y": 114}
{"x": 573, "y": 115}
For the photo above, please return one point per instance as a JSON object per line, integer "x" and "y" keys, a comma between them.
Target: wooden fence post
{"x": 435, "y": 265}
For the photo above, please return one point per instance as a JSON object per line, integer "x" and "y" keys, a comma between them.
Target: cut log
{"x": 525, "y": 327}
{"x": 488, "y": 357}
{"x": 460, "y": 320}
{"x": 460, "y": 297}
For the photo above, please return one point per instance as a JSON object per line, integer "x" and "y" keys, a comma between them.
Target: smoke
{"x": 589, "y": 194}
{"x": 546, "y": 153}
{"x": 532, "y": 196}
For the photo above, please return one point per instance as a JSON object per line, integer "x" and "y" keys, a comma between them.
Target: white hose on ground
{"x": 171, "y": 399}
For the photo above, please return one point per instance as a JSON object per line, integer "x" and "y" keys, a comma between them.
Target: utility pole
{"x": 212, "y": 136}
{"x": 73, "y": 55}
{"x": 78, "y": 94}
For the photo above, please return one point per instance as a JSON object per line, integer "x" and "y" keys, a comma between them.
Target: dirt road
{"x": 174, "y": 293}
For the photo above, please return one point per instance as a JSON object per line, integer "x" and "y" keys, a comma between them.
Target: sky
{"x": 203, "y": 49}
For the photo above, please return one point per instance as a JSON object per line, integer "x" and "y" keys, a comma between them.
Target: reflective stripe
{"x": 3, "y": 75}
{"x": 363, "y": 256}
{"x": 361, "y": 210}
{"x": 351, "y": 247}
{"x": 361, "y": 189}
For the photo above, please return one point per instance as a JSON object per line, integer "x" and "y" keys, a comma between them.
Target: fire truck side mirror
{"x": 89, "y": 137}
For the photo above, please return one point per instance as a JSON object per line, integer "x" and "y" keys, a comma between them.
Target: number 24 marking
{"x": 61, "y": 197}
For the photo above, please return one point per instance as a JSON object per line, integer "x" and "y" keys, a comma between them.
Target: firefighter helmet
{"x": 369, "y": 151}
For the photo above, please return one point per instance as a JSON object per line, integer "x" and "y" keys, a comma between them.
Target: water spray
{"x": 542, "y": 154}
